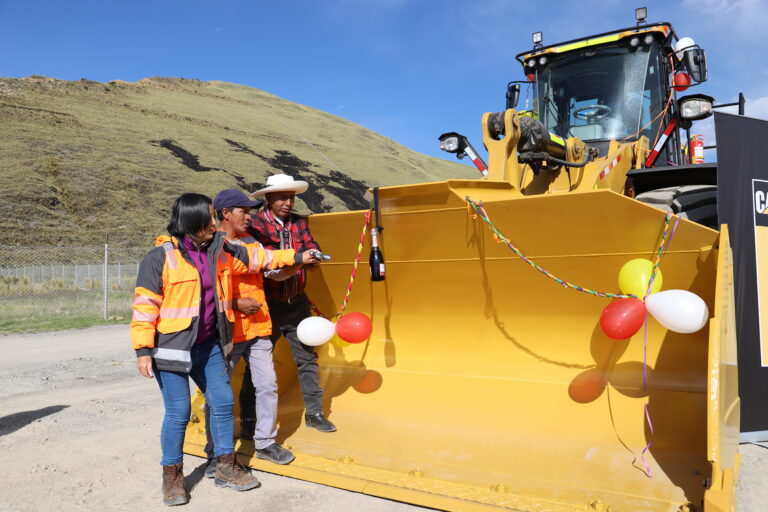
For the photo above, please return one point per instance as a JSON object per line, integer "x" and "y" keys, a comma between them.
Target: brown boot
{"x": 229, "y": 473}
{"x": 173, "y": 485}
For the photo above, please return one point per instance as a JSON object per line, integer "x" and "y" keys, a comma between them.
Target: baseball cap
{"x": 232, "y": 198}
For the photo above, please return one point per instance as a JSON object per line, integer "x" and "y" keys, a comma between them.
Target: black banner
{"x": 742, "y": 202}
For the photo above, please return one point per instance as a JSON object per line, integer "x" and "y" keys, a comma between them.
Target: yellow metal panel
{"x": 723, "y": 413}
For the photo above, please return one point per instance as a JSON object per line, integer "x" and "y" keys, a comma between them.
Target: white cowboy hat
{"x": 281, "y": 183}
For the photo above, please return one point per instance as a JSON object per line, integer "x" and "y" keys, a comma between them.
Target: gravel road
{"x": 79, "y": 431}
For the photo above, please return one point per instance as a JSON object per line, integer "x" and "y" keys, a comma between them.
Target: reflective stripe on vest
{"x": 172, "y": 354}
{"x": 170, "y": 255}
{"x": 187, "y": 312}
{"x": 143, "y": 316}
{"x": 225, "y": 305}
{"x": 254, "y": 255}
{"x": 145, "y": 300}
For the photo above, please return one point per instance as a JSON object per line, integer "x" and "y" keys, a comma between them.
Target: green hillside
{"x": 81, "y": 159}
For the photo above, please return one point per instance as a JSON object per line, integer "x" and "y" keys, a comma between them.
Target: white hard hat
{"x": 683, "y": 44}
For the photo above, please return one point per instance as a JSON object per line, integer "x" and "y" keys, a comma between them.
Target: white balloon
{"x": 315, "y": 330}
{"x": 678, "y": 310}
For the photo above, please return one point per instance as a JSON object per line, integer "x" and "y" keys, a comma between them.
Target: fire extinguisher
{"x": 697, "y": 149}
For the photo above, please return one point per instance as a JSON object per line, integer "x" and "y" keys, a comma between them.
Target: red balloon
{"x": 354, "y": 327}
{"x": 681, "y": 81}
{"x": 623, "y": 318}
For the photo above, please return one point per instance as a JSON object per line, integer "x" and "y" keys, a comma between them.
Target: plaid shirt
{"x": 293, "y": 234}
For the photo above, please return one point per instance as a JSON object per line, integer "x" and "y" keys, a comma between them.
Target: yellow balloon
{"x": 338, "y": 342}
{"x": 635, "y": 275}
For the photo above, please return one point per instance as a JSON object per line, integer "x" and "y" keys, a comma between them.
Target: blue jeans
{"x": 209, "y": 372}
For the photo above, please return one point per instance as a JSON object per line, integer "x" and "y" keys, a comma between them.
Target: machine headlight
{"x": 634, "y": 42}
{"x": 532, "y": 63}
{"x": 542, "y": 60}
{"x": 648, "y": 39}
{"x": 449, "y": 143}
{"x": 695, "y": 107}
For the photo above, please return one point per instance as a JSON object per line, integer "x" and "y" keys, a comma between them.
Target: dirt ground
{"x": 79, "y": 431}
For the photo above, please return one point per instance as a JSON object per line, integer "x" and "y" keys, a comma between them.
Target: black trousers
{"x": 285, "y": 319}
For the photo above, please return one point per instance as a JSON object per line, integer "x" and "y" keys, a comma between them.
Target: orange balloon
{"x": 587, "y": 386}
{"x": 370, "y": 382}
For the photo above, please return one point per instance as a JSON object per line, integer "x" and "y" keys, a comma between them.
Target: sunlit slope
{"x": 80, "y": 159}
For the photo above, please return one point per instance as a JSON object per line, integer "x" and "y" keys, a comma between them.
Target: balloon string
{"x": 663, "y": 246}
{"x": 648, "y": 446}
{"x": 499, "y": 238}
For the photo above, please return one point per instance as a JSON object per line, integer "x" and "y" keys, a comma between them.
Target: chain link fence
{"x": 44, "y": 288}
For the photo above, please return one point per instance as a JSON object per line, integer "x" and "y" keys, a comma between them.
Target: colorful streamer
{"x": 480, "y": 210}
{"x": 357, "y": 262}
{"x": 313, "y": 306}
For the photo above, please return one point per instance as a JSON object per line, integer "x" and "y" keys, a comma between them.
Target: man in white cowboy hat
{"x": 277, "y": 227}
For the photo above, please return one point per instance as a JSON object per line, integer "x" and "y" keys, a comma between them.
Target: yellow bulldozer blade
{"x": 485, "y": 385}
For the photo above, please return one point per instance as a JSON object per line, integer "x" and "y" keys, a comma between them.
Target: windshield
{"x": 601, "y": 93}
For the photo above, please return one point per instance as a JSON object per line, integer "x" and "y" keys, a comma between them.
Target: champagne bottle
{"x": 377, "y": 259}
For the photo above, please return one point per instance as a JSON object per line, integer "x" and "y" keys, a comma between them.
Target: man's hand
{"x": 144, "y": 364}
{"x": 247, "y": 305}
{"x": 309, "y": 257}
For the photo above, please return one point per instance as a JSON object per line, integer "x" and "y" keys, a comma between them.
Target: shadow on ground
{"x": 18, "y": 420}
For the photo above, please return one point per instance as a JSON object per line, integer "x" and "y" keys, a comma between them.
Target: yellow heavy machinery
{"x": 488, "y": 385}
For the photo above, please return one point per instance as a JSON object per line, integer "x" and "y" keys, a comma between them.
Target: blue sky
{"x": 407, "y": 69}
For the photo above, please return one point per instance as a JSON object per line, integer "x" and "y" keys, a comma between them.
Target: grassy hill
{"x": 81, "y": 159}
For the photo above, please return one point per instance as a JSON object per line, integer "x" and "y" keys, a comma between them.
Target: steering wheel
{"x": 592, "y": 112}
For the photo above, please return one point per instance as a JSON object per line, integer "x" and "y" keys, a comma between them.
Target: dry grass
{"x": 80, "y": 159}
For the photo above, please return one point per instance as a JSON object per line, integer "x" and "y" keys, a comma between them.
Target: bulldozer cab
{"x": 603, "y": 88}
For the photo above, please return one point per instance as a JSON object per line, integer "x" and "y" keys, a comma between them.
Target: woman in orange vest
{"x": 180, "y": 329}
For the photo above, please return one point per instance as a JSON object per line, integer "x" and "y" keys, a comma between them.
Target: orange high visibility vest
{"x": 248, "y": 327}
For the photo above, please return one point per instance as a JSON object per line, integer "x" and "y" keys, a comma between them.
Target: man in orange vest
{"x": 252, "y": 324}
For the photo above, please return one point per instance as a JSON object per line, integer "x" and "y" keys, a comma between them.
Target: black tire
{"x": 697, "y": 203}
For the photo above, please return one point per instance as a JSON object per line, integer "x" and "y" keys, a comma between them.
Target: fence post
{"x": 106, "y": 273}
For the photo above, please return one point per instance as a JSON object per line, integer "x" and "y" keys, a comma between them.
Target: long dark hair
{"x": 190, "y": 215}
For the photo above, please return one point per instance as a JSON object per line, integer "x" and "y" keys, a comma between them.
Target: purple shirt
{"x": 206, "y": 327}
